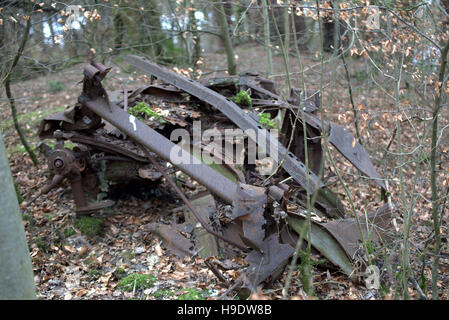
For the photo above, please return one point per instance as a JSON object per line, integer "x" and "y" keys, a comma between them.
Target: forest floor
{"x": 71, "y": 265}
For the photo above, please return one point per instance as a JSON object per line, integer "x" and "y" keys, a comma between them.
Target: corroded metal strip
{"x": 102, "y": 145}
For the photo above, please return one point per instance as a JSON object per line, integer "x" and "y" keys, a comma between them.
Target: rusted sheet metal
{"x": 290, "y": 163}
{"x": 349, "y": 147}
{"x": 65, "y": 120}
{"x": 205, "y": 243}
{"x": 160, "y": 145}
{"x": 377, "y": 224}
{"x": 249, "y": 207}
{"x": 233, "y": 230}
{"x": 202, "y": 221}
{"x": 290, "y": 237}
{"x": 263, "y": 265}
{"x": 163, "y": 92}
{"x": 172, "y": 238}
{"x": 322, "y": 241}
{"x": 340, "y": 240}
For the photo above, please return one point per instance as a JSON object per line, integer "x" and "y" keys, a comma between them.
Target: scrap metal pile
{"x": 122, "y": 142}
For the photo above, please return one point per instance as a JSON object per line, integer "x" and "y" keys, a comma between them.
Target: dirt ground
{"x": 70, "y": 265}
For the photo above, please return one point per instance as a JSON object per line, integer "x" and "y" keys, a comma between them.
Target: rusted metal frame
{"x": 290, "y": 163}
{"x": 203, "y": 223}
{"x": 102, "y": 145}
{"x": 157, "y": 143}
{"x": 339, "y": 137}
{"x": 149, "y": 138}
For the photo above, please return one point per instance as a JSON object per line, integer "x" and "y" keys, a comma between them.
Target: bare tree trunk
{"x": 6, "y": 83}
{"x": 196, "y": 54}
{"x": 16, "y": 272}
{"x": 119, "y": 32}
{"x": 38, "y": 33}
{"x": 433, "y": 172}
{"x": 266, "y": 35}
{"x": 232, "y": 67}
{"x": 152, "y": 27}
{"x": 52, "y": 31}
{"x": 286, "y": 20}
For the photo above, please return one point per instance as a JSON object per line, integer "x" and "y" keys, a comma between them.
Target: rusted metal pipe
{"x": 157, "y": 143}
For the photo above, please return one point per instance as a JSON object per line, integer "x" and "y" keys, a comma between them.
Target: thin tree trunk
{"x": 434, "y": 173}
{"x": 196, "y": 53}
{"x": 266, "y": 35}
{"x": 284, "y": 51}
{"x": 286, "y": 19}
{"x": 151, "y": 28}
{"x": 119, "y": 32}
{"x": 6, "y": 83}
{"x": 52, "y": 31}
{"x": 232, "y": 66}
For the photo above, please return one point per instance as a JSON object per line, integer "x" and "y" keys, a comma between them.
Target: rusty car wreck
{"x": 239, "y": 210}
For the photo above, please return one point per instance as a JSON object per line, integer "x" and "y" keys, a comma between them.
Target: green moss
{"x": 42, "y": 245}
{"x": 193, "y": 294}
{"x": 119, "y": 273}
{"x": 142, "y": 109}
{"x": 55, "y": 86}
{"x": 264, "y": 120}
{"x": 19, "y": 196}
{"x": 18, "y": 148}
{"x": 137, "y": 280}
{"x": 94, "y": 274}
{"x": 243, "y": 99}
{"x": 162, "y": 294}
{"x": 68, "y": 232}
{"x": 89, "y": 226}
